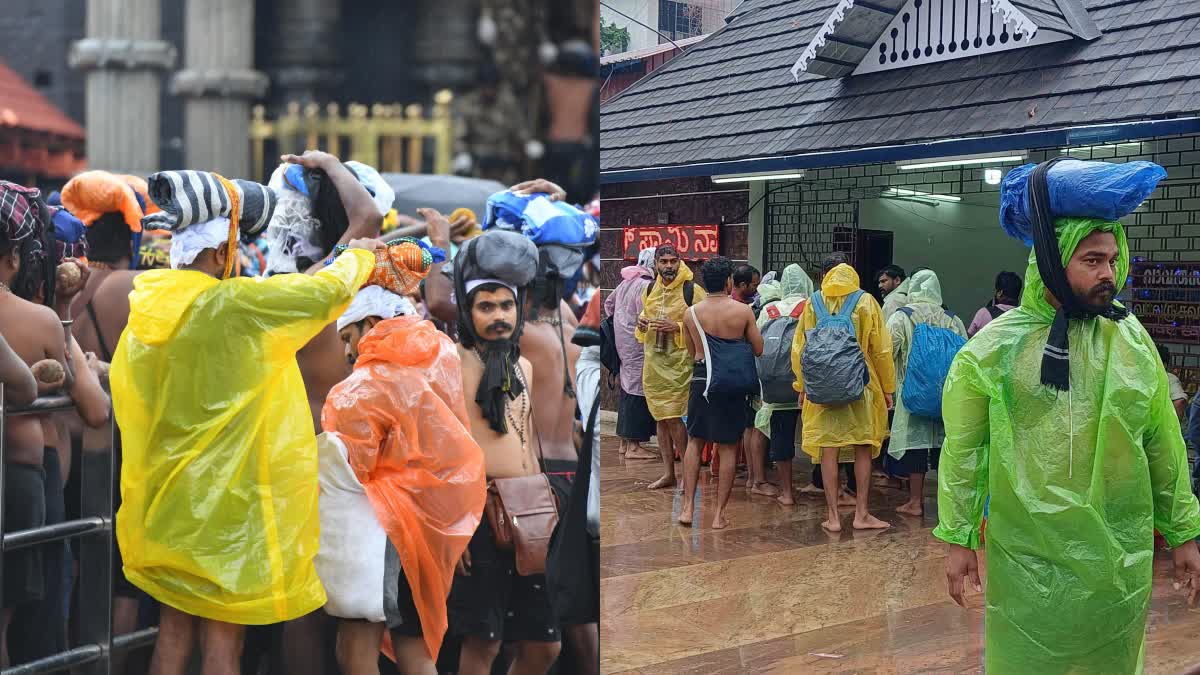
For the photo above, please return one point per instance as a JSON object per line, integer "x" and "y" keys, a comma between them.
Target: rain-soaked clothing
{"x": 403, "y": 420}
{"x": 219, "y": 473}
{"x": 793, "y": 287}
{"x": 667, "y": 376}
{"x": 624, "y": 305}
{"x": 913, "y": 432}
{"x": 892, "y": 302}
{"x": 865, "y": 421}
{"x": 1079, "y": 480}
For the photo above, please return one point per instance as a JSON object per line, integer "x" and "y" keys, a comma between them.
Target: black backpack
{"x": 610, "y": 358}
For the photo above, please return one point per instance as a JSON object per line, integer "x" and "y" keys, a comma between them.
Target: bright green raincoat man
{"x": 1079, "y": 480}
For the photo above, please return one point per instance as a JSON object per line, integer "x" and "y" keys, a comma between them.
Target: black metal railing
{"x": 94, "y": 529}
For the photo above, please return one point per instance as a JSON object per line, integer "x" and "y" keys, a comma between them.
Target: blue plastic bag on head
{"x": 542, "y": 220}
{"x": 1078, "y": 189}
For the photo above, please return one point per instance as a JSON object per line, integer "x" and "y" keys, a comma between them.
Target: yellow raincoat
{"x": 863, "y": 422}
{"x": 219, "y": 476}
{"x": 667, "y": 377}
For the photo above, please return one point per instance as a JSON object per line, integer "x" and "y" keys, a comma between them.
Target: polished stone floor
{"x": 775, "y": 593}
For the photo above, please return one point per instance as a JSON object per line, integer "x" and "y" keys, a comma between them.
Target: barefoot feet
{"x": 785, "y": 498}
{"x": 639, "y": 452}
{"x": 912, "y": 509}
{"x": 662, "y": 483}
{"x": 685, "y": 516}
{"x": 846, "y": 499}
{"x": 833, "y": 524}
{"x": 763, "y": 488}
{"x": 719, "y": 522}
{"x": 869, "y": 522}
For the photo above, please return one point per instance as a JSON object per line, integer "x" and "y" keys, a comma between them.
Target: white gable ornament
{"x": 863, "y": 36}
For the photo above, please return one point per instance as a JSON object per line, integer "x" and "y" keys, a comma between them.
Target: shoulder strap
{"x": 689, "y": 292}
{"x": 650, "y": 286}
{"x": 907, "y": 311}
{"x": 91, "y": 310}
{"x": 849, "y": 304}
{"x": 995, "y": 311}
{"x": 772, "y": 312}
{"x": 819, "y": 308}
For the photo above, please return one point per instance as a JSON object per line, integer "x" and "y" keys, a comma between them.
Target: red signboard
{"x": 694, "y": 242}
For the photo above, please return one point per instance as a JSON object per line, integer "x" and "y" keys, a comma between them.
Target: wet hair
{"x": 109, "y": 239}
{"x": 715, "y": 272}
{"x": 466, "y": 334}
{"x": 1008, "y": 285}
{"x": 744, "y": 274}
{"x": 665, "y": 249}
{"x": 833, "y": 260}
{"x": 1164, "y": 353}
{"x": 893, "y": 271}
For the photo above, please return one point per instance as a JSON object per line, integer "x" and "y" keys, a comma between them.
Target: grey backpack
{"x": 775, "y": 364}
{"x": 835, "y": 372}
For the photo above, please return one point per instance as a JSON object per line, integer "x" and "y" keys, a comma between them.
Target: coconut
{"x": 48, "y": 371}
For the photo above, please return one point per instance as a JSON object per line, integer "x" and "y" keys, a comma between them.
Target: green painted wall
{"x": 962, "y": 242}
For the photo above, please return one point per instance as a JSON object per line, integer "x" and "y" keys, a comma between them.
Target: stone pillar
{"x": 219, "y": 82}
{"x": 302, "y": 57}
{"x": 123, "y": 57}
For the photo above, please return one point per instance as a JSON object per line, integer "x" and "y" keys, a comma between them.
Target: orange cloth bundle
{"x": 92, "y": 194}
{"x": 402, "y": 418}
{"x": 139, "y": 186}
{"x": 401, "y": 266}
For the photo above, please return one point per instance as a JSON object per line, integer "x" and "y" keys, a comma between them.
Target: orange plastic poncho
{"x": 865, "y": 421}
{"x": 219, "y": 476}
{"x": 402, "y": 418}
{"x": 92, "y": 194}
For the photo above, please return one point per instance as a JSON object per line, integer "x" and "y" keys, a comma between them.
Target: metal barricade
{"x": 94, "y": 528}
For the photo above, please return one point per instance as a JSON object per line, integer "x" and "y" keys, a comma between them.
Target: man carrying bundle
{"x": 1060, "y": 412}
{"x": 219, "y": 482}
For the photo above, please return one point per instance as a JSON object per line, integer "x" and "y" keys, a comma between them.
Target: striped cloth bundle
{"x": 190, "y": 197}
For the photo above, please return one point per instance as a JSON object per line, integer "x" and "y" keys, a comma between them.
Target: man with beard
{"x": 489, "y": 602}
{"x": 1060, "y": 412}
{"x": 667, "y": 371}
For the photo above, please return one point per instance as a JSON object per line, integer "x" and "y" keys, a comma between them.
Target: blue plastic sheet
{"x": 1079, "y": 189}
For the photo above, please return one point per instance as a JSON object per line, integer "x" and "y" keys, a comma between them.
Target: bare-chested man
{"x": 711, "y": 417}
{"x": 33, "y": 309}
{"x": 100, "y": 313}
{"x": 490, "y": 603}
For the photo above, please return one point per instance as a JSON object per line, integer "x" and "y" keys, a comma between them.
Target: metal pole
{"x": 95, "y": 567}
{"x": 3, "y": 466}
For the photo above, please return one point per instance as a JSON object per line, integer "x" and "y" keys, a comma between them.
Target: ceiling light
{"x": 963, "y": 160}
{"x": 992, "y": 176}
{"x": 902, "y": 192}
{"x": 762, "y": 175}
{"x": 1083, "y": 148}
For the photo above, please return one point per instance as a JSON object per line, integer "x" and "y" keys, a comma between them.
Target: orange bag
{"x": 92, "y": 194}
{"x": 402, "y": 417}
{"x": 140, "y": 186}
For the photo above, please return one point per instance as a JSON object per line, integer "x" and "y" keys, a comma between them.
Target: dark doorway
{"x": 872, "y": 252}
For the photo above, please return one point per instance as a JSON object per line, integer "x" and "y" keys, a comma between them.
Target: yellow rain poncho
{"x": 794, "y": 287}
{"x": 1078, "y": 479}
{"x": 912, "y": 432}
{"x": 667, "y": 376}
{"x": 219, "y": 476}
{"x": 863, "y": 422}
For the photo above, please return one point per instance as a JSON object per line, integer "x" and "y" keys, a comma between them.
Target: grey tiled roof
{"x": 732, "y": 96}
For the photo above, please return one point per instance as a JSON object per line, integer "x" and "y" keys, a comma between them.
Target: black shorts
{"x": 634, "y": 421}
{"x": 783, "y": 435}
{"x": 496, "y": 603}
{"x": 24, "y": 508}
{"x": 714, "y": 419}
{"x": 38, "y": 628}
{"x": 914, "y": 461}
{"x": 399, "y": 609}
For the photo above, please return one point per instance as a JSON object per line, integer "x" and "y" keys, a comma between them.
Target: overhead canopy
{"x": 732, "y": 99}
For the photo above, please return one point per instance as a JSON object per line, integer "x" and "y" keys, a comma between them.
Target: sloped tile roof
{"x": 23, "y": 106}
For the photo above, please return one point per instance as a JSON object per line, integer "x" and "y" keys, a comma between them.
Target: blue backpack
{"x": 835, "y": 372}
{"x": 933, "y": 350}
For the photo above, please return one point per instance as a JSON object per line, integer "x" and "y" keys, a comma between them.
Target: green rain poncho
{"x": 912, "y": 432}
{"x": 793, "y": 287}
{"x": 1079, "y": 480}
